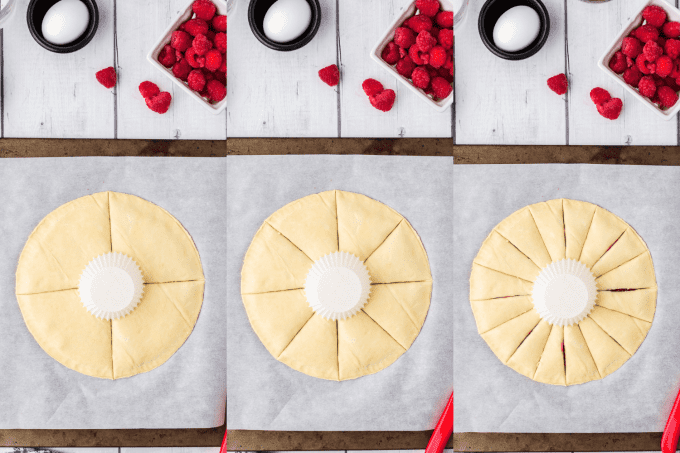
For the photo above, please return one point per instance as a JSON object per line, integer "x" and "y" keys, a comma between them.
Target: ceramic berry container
{"x": 673, "y": 15}
{"x": 165, "y": 39}
{"x": 376, "y": 55}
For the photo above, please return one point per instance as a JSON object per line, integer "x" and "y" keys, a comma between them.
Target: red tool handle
{"x": 669, "y": 440}
{"x": 223, "y": 447}
{"x": 443, "y": 430}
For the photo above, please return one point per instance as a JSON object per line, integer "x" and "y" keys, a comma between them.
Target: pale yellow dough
{"x": 62, "y": 245}
{"x": 506, "y": 267}
{"x": 280, "y": 256}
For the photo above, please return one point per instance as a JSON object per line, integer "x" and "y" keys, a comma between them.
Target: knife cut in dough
{"x": 530, "y": 247}
{"x": 59, "y": 249}
{"x": 302, "y": 233}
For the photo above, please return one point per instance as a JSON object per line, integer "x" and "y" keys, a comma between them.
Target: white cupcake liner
{"x": 111, "y": 286}
{"x": 337, "y": 286}
{"x": 564, "y": 292}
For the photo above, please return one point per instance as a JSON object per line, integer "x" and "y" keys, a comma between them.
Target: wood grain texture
{"x": 591, "y": 442}
{"x": 395, "y": 147}
{"x": 68, "y": 148}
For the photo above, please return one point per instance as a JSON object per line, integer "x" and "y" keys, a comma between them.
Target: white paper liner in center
{"x": 337, "y": 285}
{"x": 111, "y": 286}
{"x": 564, "y": 292}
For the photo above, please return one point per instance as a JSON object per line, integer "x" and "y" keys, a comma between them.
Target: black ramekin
{"x": 256, "y": 12}
{"x": 36, "y": 13}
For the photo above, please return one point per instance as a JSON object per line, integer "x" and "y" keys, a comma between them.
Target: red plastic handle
{"x": 223, "y": 447}
{"x": 443, "y": 430}
{"x": 669, "y": 440}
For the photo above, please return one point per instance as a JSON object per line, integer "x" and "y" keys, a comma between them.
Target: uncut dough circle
{"x": 282, "y": 252}
{"x": 523, "y": 244}
{"x": 59, "y": 249}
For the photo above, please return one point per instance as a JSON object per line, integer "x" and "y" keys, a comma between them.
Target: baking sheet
{"x": 187, "y": 391}
{"x": 408, "y": 395}
{"x": 491, "y": 397}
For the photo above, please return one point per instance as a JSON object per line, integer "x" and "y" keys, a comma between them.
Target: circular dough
{"x": 59, "y": 249}
{"x": 282, "y": 253}
{"x": 522, "y": 246}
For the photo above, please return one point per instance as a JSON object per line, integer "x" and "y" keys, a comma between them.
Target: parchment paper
{"x": 491, "y": 397}
{"x": 408, "y": 395}
{"x": 187, "y": 391}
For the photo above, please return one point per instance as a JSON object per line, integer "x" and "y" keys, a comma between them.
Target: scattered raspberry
{"x": 213, "y": 60}
{"x": 618, "y": 63}
{"x": 167, "y": 56}
{"x": 647, "y": 86}
{"x": 159, "y": 103}
{"x": 404, "y": 37}
{"x": 425, "y": 41}
{"x": 219, "y": 24}
{"x": 196, "y": 80}
{"x": 664, "y": 66}
{"x": 390, "y": 53}
{"x": 196, "y": 27}
{"x": 645, "y": 66}
{"x": 445, "y": 37}
{"x": 559, "y": 84}
{"x": 652, "y": 51}
{"x": 667, "y": 97}
{"x": 204, "y": 9}
{"x": 599, "y": 95}
{"x": 405, "y": 67}
{"x": 671, "y": 29}
{"x": 201, "y": 44}
{"x": 646, "y": 33}
{"x": 193, "y": 60}
{"x": 672, "y": 48}
{"x": 631, "y": 47}
{"x": 330, "y": 75}
{"x": 419, "y": 23}
{"x": 181, "y": 70}
{"x": 372, "y": 87}
{"x": 611, "y": 109}
{"x": 107, "y": 77}
{"x": 428, "y": 7}
{"x": 180, "y": 40}
{"x": 441, "y": 87}
{"x": 632, "y": 76}
{"x": 148, "y": 89}
{"x": 420, "y": 58}
{"x": 216, "y": 90}
{"x": 438, "y": 57}
{"x": 383, "y": 101}
{"x": 420, "y": 77}
{"x": 220, "y": 42}
{"x": 444, "y": 19}
{"x": 654, "y": 15}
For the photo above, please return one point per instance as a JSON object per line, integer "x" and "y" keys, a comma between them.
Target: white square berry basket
{"x": 673, "y": 15}
{"x": 376, "y": 55}
{"x": 165, "y": 39}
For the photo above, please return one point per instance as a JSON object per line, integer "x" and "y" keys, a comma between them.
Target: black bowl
{"x": 258, "y": 9}
{"x": 35, "y": 14}
{"x": 492, "y": 11}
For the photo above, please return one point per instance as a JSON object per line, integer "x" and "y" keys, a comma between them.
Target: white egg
{"x": 516, "y": 29}
{"x": 65, "y": 22}
{"x": 287, "y": 20}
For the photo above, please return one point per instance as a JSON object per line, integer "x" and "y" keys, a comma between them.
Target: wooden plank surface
{"x": 591, "y": 442}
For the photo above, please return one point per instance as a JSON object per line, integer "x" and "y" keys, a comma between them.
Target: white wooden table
{"x": 49, "y": 95}
{"x": 279, "y": 94}
{"x": 508, "y": 102}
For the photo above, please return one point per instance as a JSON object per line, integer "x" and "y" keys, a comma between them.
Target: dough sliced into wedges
{"x": 504, "y": 339}
{"x": 154, "y": 239}
{"x": 149, "y": 335}
{"x": 68, "y": 332}
{"x": 310, "y": 223}
{"x": 273, "y": 263}
{"x": 489, "y": 284}
{"x": 314, "y": 350}
{"x": 620, "y": 327}
{"x": 580, "y": 363}
{"x": 364, "y": 347}
{"x": 550, "y": 368}
{"x": 400, "y": 309}
{"x": 578, "y": 217}
{"x": 521, "y": 230}
{"x": 54, "y": 255}
{"x": 644, "y": 326}
{"x": 549, "y": 219}
{"x": 625, "y": 249}
{"x": 401, "y": 258}
{"x": 494, "y": 312}
{"x": 277, "y": 317}
{"x": 499, "y": 254}
{"x": 605, "y": 229}
{"x": 636, "y": 273}
{"x": 607, "y": 353}
{"x": 640, "y": 303}
{"x": 525, "y": 359}
{"x": 363, "y": 223}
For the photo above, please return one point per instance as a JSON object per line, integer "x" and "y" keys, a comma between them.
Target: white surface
{"x": 65, "y": 21}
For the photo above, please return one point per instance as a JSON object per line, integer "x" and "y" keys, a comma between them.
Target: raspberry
{"x": 180, "y": 40}
{"x": 441, "y": 87}
{"x": 167, "y": 56}
{"x": 664, "y": 66}
{"x": 438, "y": 56}
{"x": 559, "y": 84}
{"x": 107, "y": 77}
{"x": 390, "y": 53}
{"x": 204, "y": 9}
{"x": 611, "y": 109}
{"x": 159, "y": 103}
{"x": 444, "y": 19}
{"x": 220, "y": 42}
{"x": 148, "y": 89}
{"x": 418, "y": 57}
{"x": 445, "y": 38}
{"x": 672, "y": 48}
{"x": 671, "y": 29}
{"x": 428, "y": 7}
{"x": 618, "y": 63}
{"x": 330, "y": 75}
{"x": 201, "y": 44}
{"x": 652, "y": 51}
{"x": 196, "y": 80}
{"x": 383, "y": 101}
{"x": 196, "y": 27}
{"x": 179, "y": 55}
{"x": 661, "y": 42}
{"x": 420, "y": 77}
{"x": 372, "y": 87}
{"x": 425, "y": 41}
{"x": 220, "y": 77}
{"x": 672, "y": 84}
{"x": 219, "y": 24}
{"x": 630, "y": 62}
{"x": 193, "y": 60}
{"x": 667, "y": 97}
{"x": 405, "y": 67}
{"x": 654, "y": 15}
{"x": 181, "y": 70}
{"x": 404, "y": 37}
{"x": 446, "y": 73}
{"x": 213, "y": 60}
{"x": 646, "y": 33}
{"x": 216, "y": 91}
{"x": 647, "y": 86}
{"x": 643, "y": 65}
{"x": 631, "y": 47}
{"x": 599, "y": 95}
{"x": 659, "y": 81}
{"x": 223, "y": 67}
{"x": 675, "y": 73}
{"x": 419, "y": 23}
{"x": 632, "y": 76}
